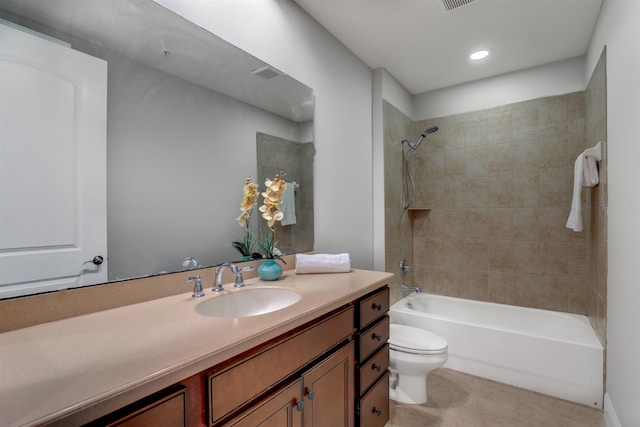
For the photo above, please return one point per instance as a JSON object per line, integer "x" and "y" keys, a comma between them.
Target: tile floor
{"x": 461, "y": 400}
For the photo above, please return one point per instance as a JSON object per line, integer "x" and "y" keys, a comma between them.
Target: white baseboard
{"x": 610, "y": 416}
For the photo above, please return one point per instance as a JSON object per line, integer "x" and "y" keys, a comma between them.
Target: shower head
{"x": 430, "y": 129}
{"x": 427, "y": 131}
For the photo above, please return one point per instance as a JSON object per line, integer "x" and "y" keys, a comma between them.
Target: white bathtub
{"x": 553, "y": 353}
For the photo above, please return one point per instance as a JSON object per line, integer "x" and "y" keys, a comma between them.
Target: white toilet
{"x": 413, "y": 353}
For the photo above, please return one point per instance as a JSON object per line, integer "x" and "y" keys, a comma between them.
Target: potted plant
{"x": 248, "y": 242}
{"x": 270, "y": 269}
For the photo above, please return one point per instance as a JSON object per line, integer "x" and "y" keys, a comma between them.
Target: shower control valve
{"x": 404, "y": 267}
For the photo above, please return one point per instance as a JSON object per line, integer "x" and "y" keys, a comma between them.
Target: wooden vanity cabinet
{"x": 372, "y": 377}
{"x": 331, "y": 372}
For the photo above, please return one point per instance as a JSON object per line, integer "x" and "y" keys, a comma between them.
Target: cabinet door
{"x": 329, "y": 390}
{"x": 280, "y": 410}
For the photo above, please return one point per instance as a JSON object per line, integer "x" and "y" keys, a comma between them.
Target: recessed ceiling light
{"x": 479, "y": 54}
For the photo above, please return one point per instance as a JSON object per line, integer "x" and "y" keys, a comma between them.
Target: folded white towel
{"x": 323, "y": 263}
{"x": 585, "y": 174}
{"x": 288, "y": 206}
{"x": 574, "y": 221}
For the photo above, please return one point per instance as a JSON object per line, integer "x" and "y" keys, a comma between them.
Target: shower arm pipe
{"x": 409, "y": 193}
{"x": 423, "y": 135}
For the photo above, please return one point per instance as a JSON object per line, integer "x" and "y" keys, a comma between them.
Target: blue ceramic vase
{"x": 270, "y": 270}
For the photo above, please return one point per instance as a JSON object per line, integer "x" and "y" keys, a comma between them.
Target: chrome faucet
{"x": 404, "y": 267}
{"x": 217, "y": 287}
{"x": 411, "y": 288}
{"x": 197, "y": 287}
{"x": 191, "y": 263}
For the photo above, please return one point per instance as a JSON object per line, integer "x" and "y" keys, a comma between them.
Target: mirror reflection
{"x": 188, "y": 117}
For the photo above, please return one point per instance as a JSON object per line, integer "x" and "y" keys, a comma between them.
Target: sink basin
{"x": 249, "y": 302}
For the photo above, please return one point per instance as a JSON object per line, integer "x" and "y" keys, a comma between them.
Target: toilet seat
{"x": 409, "y": 339}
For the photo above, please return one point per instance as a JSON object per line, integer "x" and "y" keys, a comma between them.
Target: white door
{"x": 53, "y": 109}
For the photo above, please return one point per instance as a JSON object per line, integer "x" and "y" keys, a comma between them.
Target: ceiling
{"x": 426, "y": 47}
{"x": 151, "y": 34}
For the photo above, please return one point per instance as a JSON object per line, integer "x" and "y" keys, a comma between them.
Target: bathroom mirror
{"x": 186, "y": 112}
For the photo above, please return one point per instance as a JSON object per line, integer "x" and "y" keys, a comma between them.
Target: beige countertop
{"x": 59, "y": 368}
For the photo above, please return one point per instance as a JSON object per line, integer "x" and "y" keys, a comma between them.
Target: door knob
{"x": 97, "y": 260}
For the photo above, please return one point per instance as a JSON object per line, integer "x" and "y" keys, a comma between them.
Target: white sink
{"x": 248, "y": 302}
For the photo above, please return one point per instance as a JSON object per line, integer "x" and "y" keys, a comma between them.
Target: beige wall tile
{"x": 526, "y": 223}
{"x": 477, "y": 192}
{"x": 477, "y": 161}
{"x": 501, "y": 256}
{"x": 499, "y": 185}
{"x": 476, "y": 255}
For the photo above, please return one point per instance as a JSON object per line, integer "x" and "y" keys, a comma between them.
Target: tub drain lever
{"x": 393, "y": 380}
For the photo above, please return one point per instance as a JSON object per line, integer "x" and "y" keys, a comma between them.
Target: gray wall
{"x": 178, "y": 155}
{"x": 617, "y": 28}
{"x": 283, "y": 35}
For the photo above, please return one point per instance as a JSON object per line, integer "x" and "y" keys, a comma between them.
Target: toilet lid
{"x": 415, "y": 340}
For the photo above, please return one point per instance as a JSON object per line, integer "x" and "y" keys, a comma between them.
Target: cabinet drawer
{"x": 372, "y": 338}
{"x": 368, "y": 372}
{"x": 373, "y": 307}
{"x": 166, "y": 411}
{"x": 374, "y": 406}
{"x": 239, "y": 384}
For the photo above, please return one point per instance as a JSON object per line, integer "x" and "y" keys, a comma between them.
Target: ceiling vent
{"x": 455, "y": 4}
{"x": 267, "y": 72}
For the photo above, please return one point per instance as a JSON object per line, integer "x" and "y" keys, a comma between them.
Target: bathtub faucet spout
{"x": 410, "y": 288}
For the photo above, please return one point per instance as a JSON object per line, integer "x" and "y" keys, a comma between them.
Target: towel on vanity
{"x": 585, "y": 174}
{"x": 288, "y": 206}
{"x": 323, "y": 263}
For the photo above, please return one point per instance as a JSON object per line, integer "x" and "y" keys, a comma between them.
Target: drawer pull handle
{"x": 376, "y": 337}
{"x": 376, "y": 367}
{"x": 378, "y": 412}
{"x": 311, "y": 394}
{"x": 376, "y": 307}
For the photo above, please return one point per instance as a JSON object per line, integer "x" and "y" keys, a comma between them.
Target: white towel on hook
{"x": 593, "y": 154}
{"x": 590, "y": 176}
{"x": 288, "y": 206}
{"x": 585, "y": 174}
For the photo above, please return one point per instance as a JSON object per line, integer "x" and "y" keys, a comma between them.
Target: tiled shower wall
{"x": 296, "y": 160}
{"x": 497, "y": 184}
{"x": 595, "y": 217}
{"x": 398, "y": 227}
